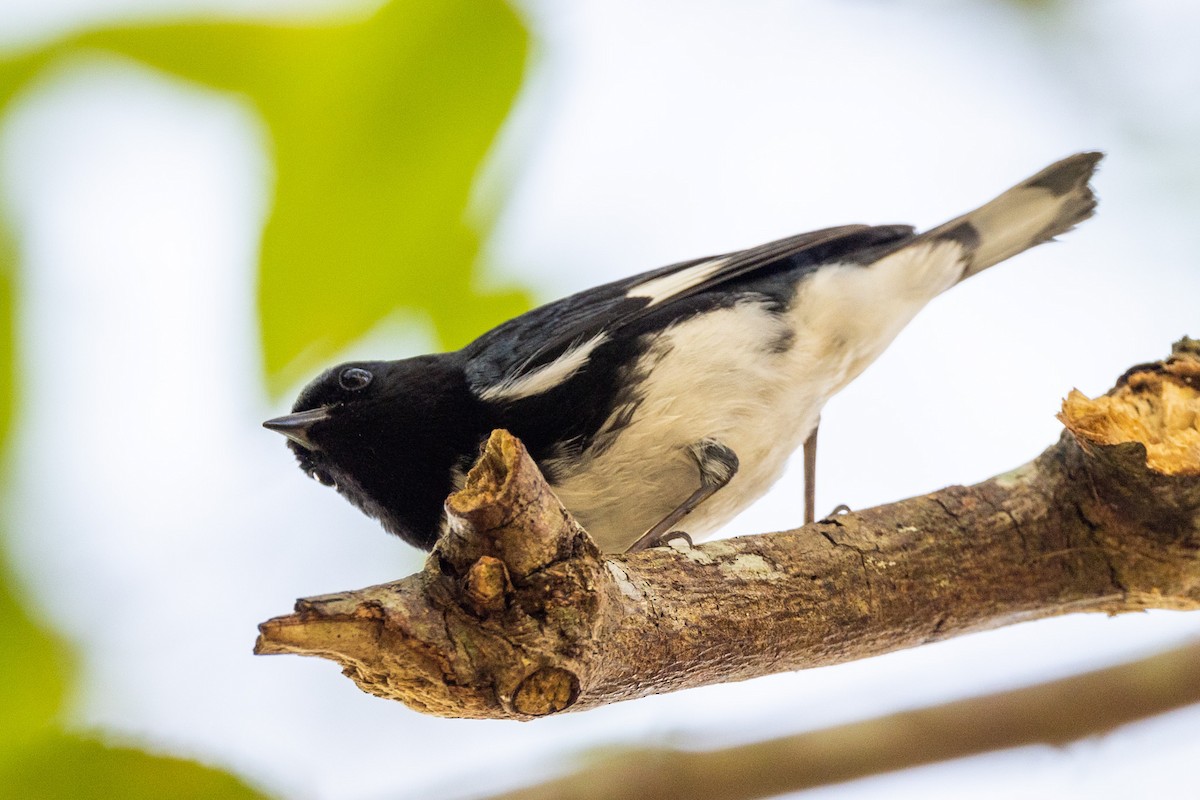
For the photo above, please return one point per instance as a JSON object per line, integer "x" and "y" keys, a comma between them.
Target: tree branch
{"x": 517, "y": 615}
{"x": 1054, "y": 713}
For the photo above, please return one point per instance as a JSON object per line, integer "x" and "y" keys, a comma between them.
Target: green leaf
{"x": 378, "y": 128}
{"x": 63, "y": 767}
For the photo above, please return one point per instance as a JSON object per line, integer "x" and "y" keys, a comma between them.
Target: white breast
{"x": 724, "y": 375}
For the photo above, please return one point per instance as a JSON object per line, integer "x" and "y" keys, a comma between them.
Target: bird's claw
{"x": 667, "y": 539}
{"x": 840, "y": 508}
{"x": 671, "y": 538}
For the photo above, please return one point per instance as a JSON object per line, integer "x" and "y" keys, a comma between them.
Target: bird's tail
{"x": 1034, "y": 211}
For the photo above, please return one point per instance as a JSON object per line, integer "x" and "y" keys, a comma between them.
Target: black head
{"x": 390, "y": 436}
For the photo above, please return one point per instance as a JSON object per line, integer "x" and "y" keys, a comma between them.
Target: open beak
{"x": 296, "y": 426}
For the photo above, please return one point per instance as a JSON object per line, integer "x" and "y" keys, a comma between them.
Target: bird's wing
{"x": 543, "y": 347}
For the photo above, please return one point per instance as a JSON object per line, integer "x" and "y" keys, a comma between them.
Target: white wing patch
{"x": 547, "y": 376}
{"x": 661, "y": 289}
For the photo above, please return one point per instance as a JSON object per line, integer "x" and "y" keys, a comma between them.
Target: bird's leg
{"x": 810, "y": 473}
{"x": 718, "y": 464}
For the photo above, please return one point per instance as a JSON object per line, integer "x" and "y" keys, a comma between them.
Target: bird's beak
{"x": 296, "y": 426}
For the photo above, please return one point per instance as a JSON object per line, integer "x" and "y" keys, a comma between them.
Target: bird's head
{"x": 388, "y": 436}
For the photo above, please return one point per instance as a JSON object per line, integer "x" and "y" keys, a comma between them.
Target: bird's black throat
{"x": 394, "y": 447}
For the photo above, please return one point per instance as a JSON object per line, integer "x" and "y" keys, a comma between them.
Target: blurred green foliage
{"x": 33, "y": 666}
{"x": 8, "y": 332}
{"x": 34, "y": 671}
{"x": 378, "y": 126}
{"x": 60, "y": 767}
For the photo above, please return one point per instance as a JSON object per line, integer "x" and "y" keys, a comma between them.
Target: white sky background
{"x": 156, "y": 524}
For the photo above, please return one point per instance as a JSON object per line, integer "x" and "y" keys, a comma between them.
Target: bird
{"x": 673, "y": 396}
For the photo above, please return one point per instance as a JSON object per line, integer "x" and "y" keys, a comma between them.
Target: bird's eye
{"x": 322, "y": 477}
{"x": 354, "y": 378}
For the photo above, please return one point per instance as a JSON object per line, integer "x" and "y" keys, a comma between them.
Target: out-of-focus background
{"x": 205, "y": 201}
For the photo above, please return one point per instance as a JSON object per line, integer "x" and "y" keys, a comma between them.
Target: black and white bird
{"x": 674, "y": 397}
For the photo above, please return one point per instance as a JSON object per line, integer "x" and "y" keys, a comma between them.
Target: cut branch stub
{"x": 517, "y": 615}
{"x": 1154, "y": 407}
{"x": 1140, "y": 448}
{"x": 498, "y": 624}
{"x": 507, "y": 510}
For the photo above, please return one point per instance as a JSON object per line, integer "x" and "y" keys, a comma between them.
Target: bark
{"x": 517, "y": 615}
